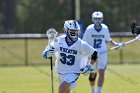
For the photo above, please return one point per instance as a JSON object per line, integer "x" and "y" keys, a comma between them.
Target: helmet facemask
{"x": 97, "y": 18}
{"x": 73, "y": 34}
{"x": 71, "y": 28}
{"x": 97, "y": 21}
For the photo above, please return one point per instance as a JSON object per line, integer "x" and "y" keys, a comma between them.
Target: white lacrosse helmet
{"x": 97, "y": 18}
{"x": 72, "y": 28}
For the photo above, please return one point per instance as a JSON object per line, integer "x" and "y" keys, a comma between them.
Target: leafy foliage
{"x": 36, "y": 16}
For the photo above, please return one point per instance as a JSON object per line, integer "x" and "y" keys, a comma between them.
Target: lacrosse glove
{"x": 88, "y": 69}
{"x": 120, "y": 45}
{"x": 48, "y": 53}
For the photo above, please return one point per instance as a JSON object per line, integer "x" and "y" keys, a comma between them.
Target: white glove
{"x": 120, "y": 45}
{"x": 48, "y": 53}
{"x": 138, "y": 37}
{"x": 88, "y": 69}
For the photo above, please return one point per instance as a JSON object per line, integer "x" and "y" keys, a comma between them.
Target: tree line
{"x": 35, "y": 16}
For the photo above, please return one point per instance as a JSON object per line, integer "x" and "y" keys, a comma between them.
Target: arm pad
{"x": 94, "y": 56}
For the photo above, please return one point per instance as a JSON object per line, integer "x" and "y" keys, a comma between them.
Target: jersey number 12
{"x": 97, "y": 43}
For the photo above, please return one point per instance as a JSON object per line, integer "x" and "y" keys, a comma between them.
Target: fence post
{"x": 26, "y": 51}
{"x": 121, "y": 52}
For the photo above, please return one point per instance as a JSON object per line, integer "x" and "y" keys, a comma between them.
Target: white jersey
{"x": 69, "y": 58}
{"x": 97, "y": 39}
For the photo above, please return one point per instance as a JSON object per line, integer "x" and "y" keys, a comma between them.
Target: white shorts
{"x": 69, "y": 78}
{"x": 102, "y": 61}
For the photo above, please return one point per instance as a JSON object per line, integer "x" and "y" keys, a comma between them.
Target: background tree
{"x": 8, "y": 16}
{"x": 30, "y": 16}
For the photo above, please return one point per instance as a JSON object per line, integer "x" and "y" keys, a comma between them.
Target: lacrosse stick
{"x": 125, "y": 43}
{"x": 51, "y": 34}
{"x": 135, "y": 30}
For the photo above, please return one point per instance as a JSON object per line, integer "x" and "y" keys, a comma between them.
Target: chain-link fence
{"x": 26, "y": 49}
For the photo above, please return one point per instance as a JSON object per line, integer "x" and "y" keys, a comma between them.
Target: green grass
{"x": 12, "y": 51}
{"x": 37, "y": 79}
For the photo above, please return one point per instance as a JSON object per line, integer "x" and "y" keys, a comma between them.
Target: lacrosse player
{"x": 69, "y": 51}
{"x": 97, "y": 35}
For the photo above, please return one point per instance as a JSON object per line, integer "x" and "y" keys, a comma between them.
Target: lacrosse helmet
{"x": 97, "y": 18}
{"x": 72, "y": 28}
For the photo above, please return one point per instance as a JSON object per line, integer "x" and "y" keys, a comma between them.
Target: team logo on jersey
{"x": 98, "y": 36}
{"x": 68, "y": 50}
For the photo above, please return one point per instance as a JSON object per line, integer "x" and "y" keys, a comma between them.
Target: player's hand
{"x": 48, "y": 53}
{"x": 88, "y": 69}
{"x": 138, "y": 37}
{"x": 120, "y": 45}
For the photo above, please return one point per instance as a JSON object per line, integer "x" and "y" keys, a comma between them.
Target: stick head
{"x": 51, "y": 34}
{"x": 135, "y": 28}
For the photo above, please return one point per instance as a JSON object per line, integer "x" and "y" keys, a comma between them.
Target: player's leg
{"x": 100, "y": 80}
{"x": 64, "y": 87}
{"x": 101, "y": 70}
{"x": 67, "y": 82}
{"x": 92, "y": 78}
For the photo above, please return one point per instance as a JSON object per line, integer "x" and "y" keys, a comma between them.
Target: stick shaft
{"x": 51, "y": 34}
{"x": 130, "y": 41}
{"x": 52, "y": 81}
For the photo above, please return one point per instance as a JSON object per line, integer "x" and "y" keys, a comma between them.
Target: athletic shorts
{"x": 102, "y": 61}
{"x": 70, "y": 78}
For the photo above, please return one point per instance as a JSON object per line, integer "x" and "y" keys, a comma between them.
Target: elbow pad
{"x": 94, "y": 56}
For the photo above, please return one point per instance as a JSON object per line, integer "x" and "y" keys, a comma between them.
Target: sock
{"x": 99, "y": 89}
{"x": 92, "y": 89}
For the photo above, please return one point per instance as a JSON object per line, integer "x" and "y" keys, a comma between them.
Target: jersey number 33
{"x": 67, "y": 59}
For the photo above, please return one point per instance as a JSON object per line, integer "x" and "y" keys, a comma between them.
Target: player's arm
{"x": 112, "y": 42}
{"x": 94, "y": 57}
{"x": 119, "y": 45}
{"x": 90, "y": 67}
{"x": 49, "y": 50}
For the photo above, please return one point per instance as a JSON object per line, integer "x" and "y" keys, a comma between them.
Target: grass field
{"x": 13, "y": 52}
{"x": 37, "y": 79}
{"x": 17, "y": 78}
